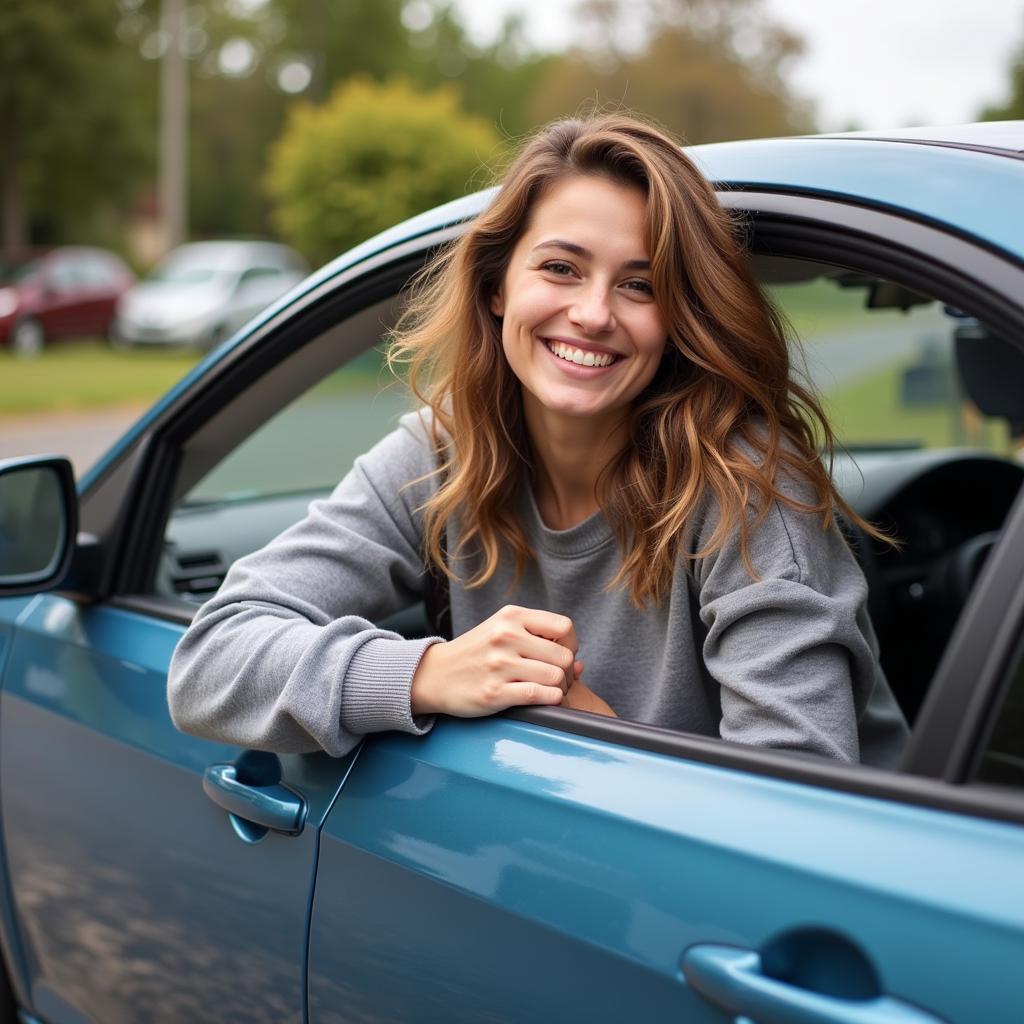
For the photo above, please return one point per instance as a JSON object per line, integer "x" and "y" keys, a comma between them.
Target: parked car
{"x": 68, "y": 292}
{"x": 544, "y": 864}
{"x": 203, "y": 292}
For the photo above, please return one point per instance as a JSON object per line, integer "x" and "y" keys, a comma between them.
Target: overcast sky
{"x": 876, "y": 63}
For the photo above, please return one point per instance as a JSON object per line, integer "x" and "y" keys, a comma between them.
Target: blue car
{"x": 545, "y": 864}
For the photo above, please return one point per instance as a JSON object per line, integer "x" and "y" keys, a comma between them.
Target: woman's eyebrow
{"x": 579, "y": 250}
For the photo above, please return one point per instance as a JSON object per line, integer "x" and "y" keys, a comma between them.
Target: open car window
{"x": 897, "y": 370}
{"x": 928, "y": 446}
{"x": 929, "y": 441}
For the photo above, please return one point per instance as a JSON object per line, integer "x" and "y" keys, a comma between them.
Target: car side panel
{"x": 497, "y": 871}
{"x": 134, "y": 898}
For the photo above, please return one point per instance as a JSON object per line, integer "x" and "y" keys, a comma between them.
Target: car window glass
{"x": 312, "y": 443}
{"x": 97, "y": 271}
{"x": 15, "y": 273}
{"x": 66, "y": 275}
{"x": 1002, "y": 761}
{"x": 258, "y": 273}
{"x": 890, "y": 364}
{"x": 928, "y": 410}
{"x": 266, "y": 483}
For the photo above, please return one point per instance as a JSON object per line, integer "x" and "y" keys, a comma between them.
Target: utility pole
{"x": 173, "y": 125}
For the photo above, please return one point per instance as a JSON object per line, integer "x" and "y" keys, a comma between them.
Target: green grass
{"x": 87, "y": 374}
{"x": 818, "y": 307}
{"x": 869, "y": 411}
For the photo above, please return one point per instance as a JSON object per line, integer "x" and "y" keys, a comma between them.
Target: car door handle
{"x": 273, "y": 807}
{"x": 732, "y": 979}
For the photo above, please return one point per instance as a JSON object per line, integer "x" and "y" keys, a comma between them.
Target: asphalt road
{"x": 83, "y": 436}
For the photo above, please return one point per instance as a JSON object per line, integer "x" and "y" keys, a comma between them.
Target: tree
{"x": 72, "y": 118}
{"x": 251, "y": 61}
{"x": 706, "y": 69}
{"x": 1013, "y": 108}
{"x": 369, "y": 157}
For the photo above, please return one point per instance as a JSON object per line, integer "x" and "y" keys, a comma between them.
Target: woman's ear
{"x": 498, "y": 303}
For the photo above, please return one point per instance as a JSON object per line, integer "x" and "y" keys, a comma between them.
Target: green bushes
{"x": 370, "y": 157}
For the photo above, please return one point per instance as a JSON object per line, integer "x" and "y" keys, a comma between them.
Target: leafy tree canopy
{"x": 1013, "y": 108}
{"x": 73, "y": 127}
{"x": 707, "y": 69}
{"x": 372, "y": 155}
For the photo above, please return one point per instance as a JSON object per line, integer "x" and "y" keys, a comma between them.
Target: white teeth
{"x": 579, "y": 356}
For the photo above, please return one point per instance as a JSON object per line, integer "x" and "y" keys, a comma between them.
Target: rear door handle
{"x": 733, "y": 979}
{"x": 273, "y": 807}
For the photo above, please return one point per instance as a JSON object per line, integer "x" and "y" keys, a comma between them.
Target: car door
{"x": 136, "y": 893}
{"x": 154, "y": 876}
{"x": 66, "y": 301}
{"x": 134, "y": 897}
{"x": 548, "y": 865}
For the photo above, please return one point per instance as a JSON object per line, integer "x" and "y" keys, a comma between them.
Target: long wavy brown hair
{"x": 723, "y": 417}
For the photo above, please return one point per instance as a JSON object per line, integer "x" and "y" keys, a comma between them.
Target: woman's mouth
{"x": 579, "y": 356}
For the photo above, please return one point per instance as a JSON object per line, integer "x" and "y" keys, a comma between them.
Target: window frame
{"x": 915, "y": 253}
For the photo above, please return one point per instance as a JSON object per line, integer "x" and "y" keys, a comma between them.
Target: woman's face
{"x": 580, "y": 327}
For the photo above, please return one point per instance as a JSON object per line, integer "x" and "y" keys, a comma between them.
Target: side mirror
{"x": 38, "y": 523}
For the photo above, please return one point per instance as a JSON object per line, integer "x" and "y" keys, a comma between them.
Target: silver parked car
{"x": 202, "y": 292}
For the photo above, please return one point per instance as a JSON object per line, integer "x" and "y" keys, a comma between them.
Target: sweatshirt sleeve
{"x": 285, "y": 656}
{"x": 793, "y": 651}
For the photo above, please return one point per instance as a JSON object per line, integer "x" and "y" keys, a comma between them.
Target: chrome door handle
{"x": 273, "y": 807}
{"x": 732, "y": 979}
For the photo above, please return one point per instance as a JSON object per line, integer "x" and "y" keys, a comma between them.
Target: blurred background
{"x": 286, "y": 131}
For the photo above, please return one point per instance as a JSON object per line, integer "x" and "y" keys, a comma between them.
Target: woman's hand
{"x": 517, "y": 656}
{"x": 581, "y": 697}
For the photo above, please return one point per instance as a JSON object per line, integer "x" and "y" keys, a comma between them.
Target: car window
{"x": 66, "y": 274}
{"x": 892, "y": 366}
{"x": 310, "y": 445}
{"x": 15, "y": 273}
{"x": 1002, "y": 761}
{"x": 928, "y": 410}
{"x": 265, "y": 482}
{"x": 927, "y": 452}
{"x": 98, "y": 271}
{"x": 259, "y": 273}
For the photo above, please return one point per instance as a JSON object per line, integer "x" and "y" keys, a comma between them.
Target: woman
{"x": 613, "y": 466}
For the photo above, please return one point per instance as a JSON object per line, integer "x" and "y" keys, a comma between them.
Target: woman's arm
{"x": 285, "y": 656}
{"x": 793, "y": 651}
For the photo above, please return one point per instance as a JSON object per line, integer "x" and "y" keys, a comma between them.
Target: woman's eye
{"x": 640, "y": 285}
{"x": 559, "y": 268}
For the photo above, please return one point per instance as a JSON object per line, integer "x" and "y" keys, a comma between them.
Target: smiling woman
{"x": 612, "y": 445}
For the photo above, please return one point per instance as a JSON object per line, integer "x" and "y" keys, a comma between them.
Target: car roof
{"x": 1003, "y": 137}
{"x": 968, "y": 189}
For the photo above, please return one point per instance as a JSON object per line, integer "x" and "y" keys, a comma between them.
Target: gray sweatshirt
{"x": 286, "y": 656}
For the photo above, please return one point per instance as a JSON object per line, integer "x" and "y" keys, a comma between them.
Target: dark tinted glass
{"x": 1003, "y": 759}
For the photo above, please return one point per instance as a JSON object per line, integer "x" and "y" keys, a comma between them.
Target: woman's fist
{"x": 517, "y": 656}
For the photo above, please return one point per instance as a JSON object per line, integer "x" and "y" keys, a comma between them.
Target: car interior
{"x": 926, "y": 401}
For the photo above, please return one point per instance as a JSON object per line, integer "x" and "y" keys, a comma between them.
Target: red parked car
{"x": 66, "y": 292}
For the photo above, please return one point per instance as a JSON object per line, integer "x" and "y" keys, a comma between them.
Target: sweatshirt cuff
{"x": 376, "y": 695}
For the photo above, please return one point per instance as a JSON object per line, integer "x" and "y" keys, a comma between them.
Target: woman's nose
{"x": 592, "y": 311}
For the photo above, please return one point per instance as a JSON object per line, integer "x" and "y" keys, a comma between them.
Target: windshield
{"x": 12, "y": 273}
{"x": 181, "y": 272}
